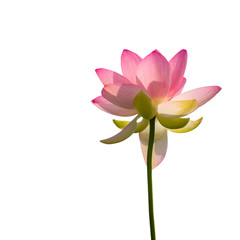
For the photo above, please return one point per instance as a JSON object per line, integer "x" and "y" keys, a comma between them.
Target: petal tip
{"x": 100, "y": 72}
{"x": 125, "y": 51}
{"x": 218, "y": 88}
{"x": 105, "y": 142}
{"x": 184, "y": 54}
{"x": 97, "y": 70}
{"x": 95, "y": 100}
{"x": 184, "y": 51}
{"x": 155, "y": 52}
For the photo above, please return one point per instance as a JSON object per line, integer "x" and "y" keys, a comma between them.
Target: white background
{"x": 57, "y": 181}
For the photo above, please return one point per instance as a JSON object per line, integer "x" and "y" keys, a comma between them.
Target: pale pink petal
{"x": 124, "y": 134}
{"x": 108, "y": 107}
{"x": 154, "y": 73}
{"x": 159, "y": 146}
{"x": 178, "y": 65}
{"x": 121, "y": 95}
{"x": 110, "y": 77}
{"x": 129, "y": 63}
{"x": 202, "y": 95}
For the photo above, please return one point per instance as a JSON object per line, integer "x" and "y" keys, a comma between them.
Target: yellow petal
{"x": 120, "y": 124}
{"x": 140, "y": 125}
{"x": 176, "y": 109}
{"x": 172, "y": 123}
{"x": 189, "y": 127}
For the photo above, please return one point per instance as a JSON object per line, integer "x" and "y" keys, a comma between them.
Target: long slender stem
{"x": 149, "y": 177}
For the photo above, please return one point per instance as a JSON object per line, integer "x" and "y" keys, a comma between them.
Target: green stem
{"x": 149, "y": 177}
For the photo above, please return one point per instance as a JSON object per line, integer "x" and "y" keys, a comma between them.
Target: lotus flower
{"x": 151, "y": 88}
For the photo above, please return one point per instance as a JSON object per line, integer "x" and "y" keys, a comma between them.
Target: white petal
{"x": 159, "y": 146}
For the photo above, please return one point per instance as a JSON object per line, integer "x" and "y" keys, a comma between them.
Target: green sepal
{"x": 120, "y": 124}
{"x": 189, "y": 127}
{"x": 140, "y": 125}
{"x": 172, "y": 123}
{"x": 145, "y": 105}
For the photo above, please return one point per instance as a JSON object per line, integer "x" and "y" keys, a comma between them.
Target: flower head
{"x": 151, "y": 87}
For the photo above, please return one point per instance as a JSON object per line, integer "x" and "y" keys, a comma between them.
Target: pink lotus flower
{"x": 151, "y": 87}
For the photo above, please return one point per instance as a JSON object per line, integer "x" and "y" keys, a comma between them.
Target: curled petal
{"x": 124, "y": 134}
{"x": 189, "y": 127}
{"x": 172, "y": 123}
{"x": 159, "y": 146}
{"x": 129, "y": 63}
{"x": 202, "y": 95}
{"x": 121, "y": 95}
{"x": 178, "y": 65}
{"x": 120, "y": 124}
{"x": 176, "y": 109}
{"x": 140, "y": 125}
{"x": 110, "y": 77}
{"x": 108, "y": 107}
{"x": 154, "y": 73}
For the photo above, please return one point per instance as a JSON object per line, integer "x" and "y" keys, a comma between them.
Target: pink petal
{"x": 159, "y": 146}
{"x": 129, "y": 63}
{"x": 121, "y": 95}
{"x": 202, "y": 95}
{"x": 109, "y": 77}
{"x": 154, "y": 73}
{"x": 178, "y": 65}
{"x": 108, "y": 107}
{"x": 181, "y": 86}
